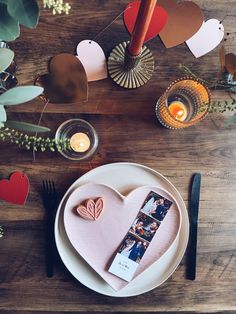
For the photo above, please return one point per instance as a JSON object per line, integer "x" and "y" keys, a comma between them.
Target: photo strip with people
{"x": 144, "y": 226}
{"x": 156, "y": 206}
{"x": 133, "y": 247}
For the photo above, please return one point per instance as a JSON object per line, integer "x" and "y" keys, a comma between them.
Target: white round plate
{"x": 124, "y": 177}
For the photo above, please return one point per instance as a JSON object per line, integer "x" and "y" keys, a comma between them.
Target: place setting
{"x": 87, "y": 245}
{"x": 130, "y": 219}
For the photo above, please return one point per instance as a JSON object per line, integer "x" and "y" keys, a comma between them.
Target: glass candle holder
{"x": 185, "y": 102}
{"x": 81, "y": 137}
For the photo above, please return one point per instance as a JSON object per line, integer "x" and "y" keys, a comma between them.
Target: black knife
{"x": 193, "y": 215}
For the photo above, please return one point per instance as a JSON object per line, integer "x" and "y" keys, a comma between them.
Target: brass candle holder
{"x": 130, "y": 71}
{"x": 131, "y": 64}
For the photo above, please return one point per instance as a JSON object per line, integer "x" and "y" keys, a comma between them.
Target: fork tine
{"x": 53, "y": 187}
{"x": 44, "y": 187}
{"x": 50, "y": 186}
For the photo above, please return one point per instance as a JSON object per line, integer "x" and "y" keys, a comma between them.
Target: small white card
{"x": 123, "y": 267}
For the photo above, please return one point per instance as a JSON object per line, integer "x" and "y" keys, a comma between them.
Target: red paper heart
{"x": 16, "y": 189}
{"x": 158, "y": 21}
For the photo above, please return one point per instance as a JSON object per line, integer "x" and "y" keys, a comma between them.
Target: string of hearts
{"x": 175, "y": 23}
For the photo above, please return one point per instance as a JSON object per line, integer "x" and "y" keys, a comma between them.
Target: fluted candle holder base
{"x": 130, "y": 71}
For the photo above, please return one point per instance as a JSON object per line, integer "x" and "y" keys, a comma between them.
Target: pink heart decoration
{"x": 92, "y": 210}
{"x": 97, "y": 241}
{"x": 208, "y": 37}
{"x": 158, "y": 21}
{"x": 16, "y": 189}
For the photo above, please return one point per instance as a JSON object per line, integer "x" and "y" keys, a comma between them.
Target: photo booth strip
{"x": 140, "y": 234}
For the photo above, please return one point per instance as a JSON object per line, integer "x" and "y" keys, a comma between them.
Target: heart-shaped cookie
{"x": 97, "y": 241}
{"x": 184, "y": 20}
{"x": 158, "y": 21}
{"x": 66, "y": 81}
{"x": 93, "y": 59}
{"x": 207, "y": 38}
{"x": 16, "y": 189}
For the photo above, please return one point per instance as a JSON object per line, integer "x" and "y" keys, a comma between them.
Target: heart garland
{"x": 16, "y": 189}
{"x": 177, "y": 23}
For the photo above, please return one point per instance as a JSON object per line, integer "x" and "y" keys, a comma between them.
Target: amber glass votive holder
{"x": 185, "y": 102}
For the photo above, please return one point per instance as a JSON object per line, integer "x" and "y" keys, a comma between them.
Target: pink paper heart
{"x": 16, "y": 189}
{"x": 97, "y": 241}
{"x": 207, "y": 38}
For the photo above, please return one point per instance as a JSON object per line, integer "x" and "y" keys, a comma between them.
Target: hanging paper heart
{"x": 16, "y": 189}
{"x": 93, "y": 59}
{"x": 158, "y": 21}
{"x": 207, "y": 38}
{"x": 184, "y": 20}
{"x": 66, "y": 81}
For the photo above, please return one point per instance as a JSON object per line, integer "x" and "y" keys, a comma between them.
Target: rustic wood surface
{"x": 128, "y": 131}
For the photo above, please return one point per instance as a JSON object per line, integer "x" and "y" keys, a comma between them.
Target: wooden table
{"x": 128, "y": 131}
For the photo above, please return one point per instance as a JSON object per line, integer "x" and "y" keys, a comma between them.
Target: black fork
{"x": 50, "y": 204}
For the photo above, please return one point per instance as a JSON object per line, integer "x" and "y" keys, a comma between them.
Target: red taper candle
{"x": 141, "y": 26}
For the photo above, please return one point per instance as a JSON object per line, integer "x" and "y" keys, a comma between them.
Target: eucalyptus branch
{"x": 57, "y": 6}
{"x": 188, "y": 72}
{"x": 32, "y": 142}
{"x": 1, "y": 232}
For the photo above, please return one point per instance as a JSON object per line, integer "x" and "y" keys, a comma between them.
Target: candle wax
{"x": 80, "y": 142}
{"x": 178, "y": 110}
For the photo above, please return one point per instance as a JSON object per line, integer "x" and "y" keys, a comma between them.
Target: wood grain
{"x": 128, "y": 131}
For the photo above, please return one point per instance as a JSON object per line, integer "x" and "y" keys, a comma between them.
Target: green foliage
{"x": 28, "y": 127}
{"x": 3, "y": 115}
{"x": 57, "y": 6}
{"x": 24, "y": 11}
{"x": 15, "y": 12}
{"x": 230, "y": 121}
{"x": 32, "y": 142}
{"x": 19, "y": 95}
{"x": 6, "y": 58}
{"x": 1, "y": 232}
{"x": 9, "y": 27}
{"x": 215, "y": 106}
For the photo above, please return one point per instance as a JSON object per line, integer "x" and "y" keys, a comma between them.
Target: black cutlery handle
{"x": 49, "y": 245}
{"x": 194, "y": 209}
{"x": 192, "y": 254}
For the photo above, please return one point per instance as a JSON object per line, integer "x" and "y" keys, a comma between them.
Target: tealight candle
{"x": 80, "y": 142}
{"x": 178, "y": 110}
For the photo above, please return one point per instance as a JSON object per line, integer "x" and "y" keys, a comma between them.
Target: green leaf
{"x": 9, "y": 28}
{"x": 24, "y": 11}
{"x": 6, "y": 57}
{"x": 28, "y": 127}
{"x": 19, "y": 95}
{"x": 3, "y": 115}
{"x": 230, "y": 121}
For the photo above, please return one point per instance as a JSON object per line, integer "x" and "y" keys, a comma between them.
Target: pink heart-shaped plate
{"x": 97, "y": 241}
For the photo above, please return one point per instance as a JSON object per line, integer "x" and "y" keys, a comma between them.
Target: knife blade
{"x": 193, "y": 213}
